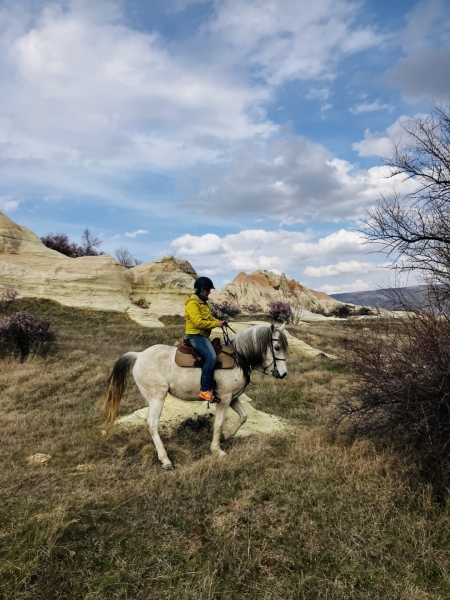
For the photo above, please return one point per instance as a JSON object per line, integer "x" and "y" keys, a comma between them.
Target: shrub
{"x": 280, "y": 311}
{"x": 60, "y": 243}
{"x": 340, "y": 310}
{"x": 224, "y": 310}
{"x": 252, "y": 309}
{"x": 402, "y": 384}
{"x": 23, "y": 333}
{"x": 141, "y": 303}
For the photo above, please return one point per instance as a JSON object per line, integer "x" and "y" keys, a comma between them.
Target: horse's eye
{"x": 277, "y": 348}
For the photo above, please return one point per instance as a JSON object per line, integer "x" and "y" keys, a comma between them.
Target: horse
{"x": 260, "y": 347}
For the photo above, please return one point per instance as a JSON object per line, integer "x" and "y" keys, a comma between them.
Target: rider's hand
{"x": 222, "y": 323}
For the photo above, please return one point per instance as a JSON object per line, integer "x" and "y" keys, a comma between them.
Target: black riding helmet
{"x": 203, "y": 283}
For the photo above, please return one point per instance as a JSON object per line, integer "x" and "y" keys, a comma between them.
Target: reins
{"x": 274, "y": 372}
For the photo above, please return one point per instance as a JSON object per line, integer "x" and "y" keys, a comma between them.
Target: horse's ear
{"x": 272, "y": 327}
{"x": 282, "y": 327}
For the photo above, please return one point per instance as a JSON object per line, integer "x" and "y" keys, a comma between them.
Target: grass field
{"x": 284, "y": 517}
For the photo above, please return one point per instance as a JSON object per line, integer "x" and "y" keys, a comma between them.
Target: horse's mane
{"x": 251, "y": 346}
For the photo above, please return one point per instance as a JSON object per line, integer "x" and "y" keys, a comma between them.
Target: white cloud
{"x": 342, "y": 268}
{"x": 279, "y": 250}
{"x": 86, "y": 91}
{"x": 379, "y": 145}
{"x": 209, "y": 243}
{"x": 339, "y": 242}
{"x": 355, "y": 286}
{"x": 366, "y": 107}
{"x": 247, "y": 250}
{"x": 373, "y": 145}
{"x": 290, "y": 40}
{"x": 134, "y": 234}
{"x": 8, "y": 203}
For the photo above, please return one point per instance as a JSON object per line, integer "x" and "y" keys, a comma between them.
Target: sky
{"x": 237, "y": 134}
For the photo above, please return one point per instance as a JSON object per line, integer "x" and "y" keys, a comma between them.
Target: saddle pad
{"x": 225, "y": 360}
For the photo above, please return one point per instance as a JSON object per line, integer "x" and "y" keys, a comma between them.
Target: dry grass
{"x": 289, "y": 517}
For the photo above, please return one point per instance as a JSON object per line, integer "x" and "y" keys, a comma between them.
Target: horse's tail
{"x": 109, "y": 402}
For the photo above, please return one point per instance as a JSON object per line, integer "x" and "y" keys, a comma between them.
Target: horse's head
{"x": 262, "y": 348}
{"x": 275, "y": 363}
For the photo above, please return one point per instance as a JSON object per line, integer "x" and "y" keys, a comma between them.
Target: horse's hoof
{"x": 219, "y": 453}
{"x": 168, "y": 467}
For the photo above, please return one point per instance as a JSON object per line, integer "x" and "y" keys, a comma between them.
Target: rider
{"x": 199, "y": 322}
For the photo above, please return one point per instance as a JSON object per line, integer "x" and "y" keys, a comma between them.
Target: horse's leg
{"x": 236, "y": 406}
{"x": 221, "y": 411}
{"x": 155, "y": 406}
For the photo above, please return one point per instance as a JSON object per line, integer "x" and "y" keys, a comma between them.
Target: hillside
{"x": 286, "y": 516}
{"x": 389, "y": 298}
{"x": 144, "y": 292}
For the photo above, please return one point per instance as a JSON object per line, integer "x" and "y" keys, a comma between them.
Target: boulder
{"x": 176, "y": 411}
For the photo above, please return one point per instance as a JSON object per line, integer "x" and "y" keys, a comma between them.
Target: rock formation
{"x": 145, "y": 292}
{"x": 261, "y": 287}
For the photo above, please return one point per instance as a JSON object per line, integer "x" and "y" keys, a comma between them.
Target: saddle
{"x": 186, "y": 356}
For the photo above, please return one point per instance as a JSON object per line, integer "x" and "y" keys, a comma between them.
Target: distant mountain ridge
{"x": 390, "y": 298}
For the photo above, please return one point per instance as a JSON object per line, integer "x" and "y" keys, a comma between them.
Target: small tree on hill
{"x": 89, "y": 244}
{"x": 60, "y": 242}
{"x": 124, "y": 257}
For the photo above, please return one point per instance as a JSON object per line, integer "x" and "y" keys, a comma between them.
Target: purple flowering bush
{"x": 23, "y": 333}
{"x": 280, "y": 311}
{"x": 223, "y": 311}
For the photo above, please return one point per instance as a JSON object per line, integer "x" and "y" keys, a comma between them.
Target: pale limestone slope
{"x": 95, "y": 282}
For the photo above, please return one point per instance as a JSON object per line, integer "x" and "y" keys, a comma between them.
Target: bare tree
{"x": 124, "y": 257}
{"x": 89, "y": 243}
{"x": 414, "y": 230}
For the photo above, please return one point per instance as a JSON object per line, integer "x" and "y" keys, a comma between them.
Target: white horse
{"x": 155, "y": 373}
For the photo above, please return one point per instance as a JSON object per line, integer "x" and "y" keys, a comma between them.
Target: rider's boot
{"x": 207, "y": 395}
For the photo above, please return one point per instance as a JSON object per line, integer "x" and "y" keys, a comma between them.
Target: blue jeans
{"x": 204, "y": 347}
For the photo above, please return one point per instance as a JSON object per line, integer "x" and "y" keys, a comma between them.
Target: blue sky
{"x": 238, "y": 134}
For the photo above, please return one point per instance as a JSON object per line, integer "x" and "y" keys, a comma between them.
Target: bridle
{"x": 274, "y": 372}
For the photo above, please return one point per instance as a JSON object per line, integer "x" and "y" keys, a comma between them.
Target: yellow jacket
{"x": 199, "y": 319}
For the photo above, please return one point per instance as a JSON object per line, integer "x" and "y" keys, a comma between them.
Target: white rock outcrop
{"x": 95, "y": 282}
{"x": 175, "y": 411}
{"x": 261, "y": 287}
